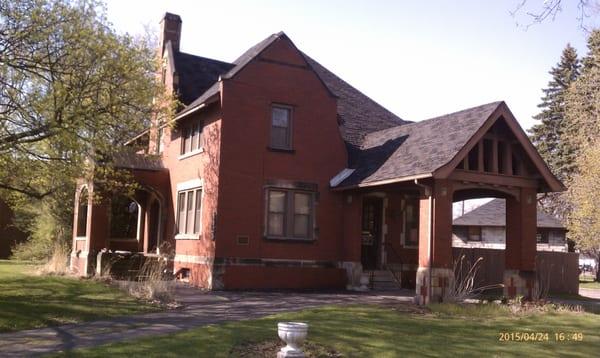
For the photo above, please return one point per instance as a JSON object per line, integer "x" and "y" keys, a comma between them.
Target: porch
{"x": 398, "y": 199}
{"x": 134, "y": 223}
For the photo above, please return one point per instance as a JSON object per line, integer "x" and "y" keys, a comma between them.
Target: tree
{"x": 550, "y": 9}
{"x": 583, "y": 101}
{"x": 548, "y": 135}
{"x": 71, "y": 91}
{"x": 584, "y": 193}
{"x": 583, "y": 134}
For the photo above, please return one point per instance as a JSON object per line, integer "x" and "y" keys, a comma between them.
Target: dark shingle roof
{"x": 493, "y": 213}
{"x": 129, "y": 159}
{"x": 416, "y": 148}
{"x": 197, "y": 74}
{"x": 358, "y": 114}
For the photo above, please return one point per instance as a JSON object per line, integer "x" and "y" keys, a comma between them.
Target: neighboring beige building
{"x": 485, "y": 227}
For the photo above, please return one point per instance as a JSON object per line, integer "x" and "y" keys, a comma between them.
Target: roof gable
{"x": 416, "y": 149}
{"x": 503, "y": 113}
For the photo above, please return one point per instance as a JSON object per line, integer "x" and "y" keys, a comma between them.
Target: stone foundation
{"x": 79, "y": 263}
{"x": 440, "y": 280}
{"x": 519, "y": 283}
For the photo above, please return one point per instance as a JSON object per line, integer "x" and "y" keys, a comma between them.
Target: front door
{"x": 371, "y": 232}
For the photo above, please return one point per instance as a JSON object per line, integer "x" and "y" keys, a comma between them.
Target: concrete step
{"x": 383, "y": 280}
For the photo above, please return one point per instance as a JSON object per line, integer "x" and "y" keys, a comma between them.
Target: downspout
{"x": 429, "y": 194}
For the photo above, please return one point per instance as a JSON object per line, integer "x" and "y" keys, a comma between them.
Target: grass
{"x": 378, "y": 331}
{"x": 31, "y": 301}
{"x": 588, "y": 281}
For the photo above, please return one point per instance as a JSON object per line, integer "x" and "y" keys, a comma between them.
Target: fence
{"x": 562, "y": 267}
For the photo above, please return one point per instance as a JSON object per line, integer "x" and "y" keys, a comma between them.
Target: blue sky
{"x": 419, "y": 59}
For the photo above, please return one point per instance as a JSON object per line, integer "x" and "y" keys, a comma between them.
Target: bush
{"x": 50, "y": 231}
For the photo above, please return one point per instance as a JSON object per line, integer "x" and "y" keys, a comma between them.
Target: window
{"x": 411, "y": 217}
{"x": 191, "y": 137}
{"x": 189, "y": 209}
{"x": 281, "y": 123}
{"x": 290, "y": 214}
{"x": 124, "y": 218}
{"x": 474, "y": 233}
{"x": 82, "y": 213}
{"x": 542, "y": 237}
{"x": 159, "y": 137}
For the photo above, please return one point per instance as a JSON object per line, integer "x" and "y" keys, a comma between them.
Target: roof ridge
{"x": 426, "y": 121}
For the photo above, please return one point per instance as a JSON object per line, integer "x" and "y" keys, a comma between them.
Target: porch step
{"x": 383, "y": 280}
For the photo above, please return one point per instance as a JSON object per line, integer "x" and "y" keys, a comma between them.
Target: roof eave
{"x": 383, "y": 182}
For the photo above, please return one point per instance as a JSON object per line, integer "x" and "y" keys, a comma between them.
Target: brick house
{"x": 278, "y": 174}
{"x": 485, "y": 227}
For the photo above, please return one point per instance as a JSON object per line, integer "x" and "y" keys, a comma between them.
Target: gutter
{"x": 429, "y": 194}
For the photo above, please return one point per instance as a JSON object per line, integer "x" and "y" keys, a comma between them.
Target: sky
{"x": 419, "y": 59}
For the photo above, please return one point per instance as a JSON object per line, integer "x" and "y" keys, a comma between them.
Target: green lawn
{"x": 587, "y": 281}
{"x": 31, "y": 301}
{"x": 375, "y": 331}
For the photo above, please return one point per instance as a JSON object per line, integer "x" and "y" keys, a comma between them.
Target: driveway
{"x": 200, "y": 308}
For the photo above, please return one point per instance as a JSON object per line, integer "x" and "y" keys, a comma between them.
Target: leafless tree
{"x": 550, "y": 9}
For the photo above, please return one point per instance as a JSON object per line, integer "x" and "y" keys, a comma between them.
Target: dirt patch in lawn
{"x": 270, "y": 348}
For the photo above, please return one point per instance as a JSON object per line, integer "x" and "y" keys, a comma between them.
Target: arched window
{"x": 124, "y": 218}
{"x": 82, "y": 212}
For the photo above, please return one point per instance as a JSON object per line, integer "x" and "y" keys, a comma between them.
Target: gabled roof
{"x": 416, "y": 149}
{"x": 196, "y": 74}
{"x": 358, "y": 114}
{"x": 236, "y": 66}
{"x": 493, "y": 213}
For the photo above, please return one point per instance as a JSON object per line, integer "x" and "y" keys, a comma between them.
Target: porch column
{"x": 435, "y": 274}
{"x": 352, "y": 215}
{"x": 520, "y": 254}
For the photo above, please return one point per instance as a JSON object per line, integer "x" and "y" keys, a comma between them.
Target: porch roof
{"x": 416, "y": 149}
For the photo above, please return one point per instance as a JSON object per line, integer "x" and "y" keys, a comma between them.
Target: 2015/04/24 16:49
{"x": 540, "y": 336}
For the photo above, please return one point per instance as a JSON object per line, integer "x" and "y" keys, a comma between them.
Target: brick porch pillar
{"x": 435, "y": 274}
{"x": 352, "y": 216}
{"x": 521, "y": 228}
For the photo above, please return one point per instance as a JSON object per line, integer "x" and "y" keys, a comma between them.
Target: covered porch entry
{"x": 398, "y": 201}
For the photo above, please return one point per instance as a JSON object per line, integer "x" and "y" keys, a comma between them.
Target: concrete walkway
{"x": 200, "y": 309}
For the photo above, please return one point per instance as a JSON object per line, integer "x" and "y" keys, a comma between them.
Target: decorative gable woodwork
{"x": 499, "y": 152}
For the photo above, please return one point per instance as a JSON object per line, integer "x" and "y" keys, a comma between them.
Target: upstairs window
{"x": 191, "y": 137}
{"x": 281, "y": 124}
{"x": 290, "y": 214}
{"x": 159, "y": 140}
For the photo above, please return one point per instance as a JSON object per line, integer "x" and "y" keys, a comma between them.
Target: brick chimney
{"x": 170, "y": 30}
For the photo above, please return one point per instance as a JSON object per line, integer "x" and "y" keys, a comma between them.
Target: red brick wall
{"x": 203, "y": 166}
{"x": 246, "y": 163}
{"x": 253, "y": 277}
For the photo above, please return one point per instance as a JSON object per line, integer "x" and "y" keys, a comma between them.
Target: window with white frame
{"x": 290, "y": 214}
{"x": 189, "y": 208}
{"x": 281, "y": 127}
{"x": 191, "y": 137}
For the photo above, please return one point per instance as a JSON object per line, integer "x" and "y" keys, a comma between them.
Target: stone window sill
{"x": 289, "y": 239}
{"x": 191, "y": 154}
{"x": 188, "y": 237}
